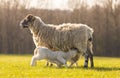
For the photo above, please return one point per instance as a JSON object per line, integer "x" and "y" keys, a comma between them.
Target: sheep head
{"x": 27, "y": 21}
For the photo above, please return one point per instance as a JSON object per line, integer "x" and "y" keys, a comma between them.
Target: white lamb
{"x": 57, "y": 57}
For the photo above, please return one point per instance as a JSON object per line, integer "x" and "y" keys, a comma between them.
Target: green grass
{"x": 18, "y": 66}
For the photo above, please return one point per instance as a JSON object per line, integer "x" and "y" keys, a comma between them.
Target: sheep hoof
{"x": 85, "y": 66}
{"x": 92, "y": 66}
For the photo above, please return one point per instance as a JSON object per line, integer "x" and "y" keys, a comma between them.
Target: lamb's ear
{"x": 30, "y": 17}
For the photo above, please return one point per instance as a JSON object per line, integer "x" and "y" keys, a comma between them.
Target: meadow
{"x": 18, "y": 66}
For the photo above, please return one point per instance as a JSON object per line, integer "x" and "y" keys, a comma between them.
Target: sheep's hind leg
{"x": 87, "y": 56}
{"x": 90, "y": 52}
{"x": 86, "y": 60}
{"x": 91, "y": 60}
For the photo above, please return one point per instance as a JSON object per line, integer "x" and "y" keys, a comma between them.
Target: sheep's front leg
{"x": 76, "y": 64}
{"x": 73, "y": 63}
{"x": 75, "y": 59}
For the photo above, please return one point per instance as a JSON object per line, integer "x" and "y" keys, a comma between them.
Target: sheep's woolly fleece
{"x": 61, "y": 37}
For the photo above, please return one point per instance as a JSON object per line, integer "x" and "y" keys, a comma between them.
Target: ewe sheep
{"x": 57, "y": 57}
{"x": 61, "y": 37}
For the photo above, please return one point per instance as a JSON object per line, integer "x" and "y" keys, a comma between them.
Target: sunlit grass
{"x": 18, "y": 66}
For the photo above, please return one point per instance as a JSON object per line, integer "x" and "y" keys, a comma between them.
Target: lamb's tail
{"x": 35, "y": 51}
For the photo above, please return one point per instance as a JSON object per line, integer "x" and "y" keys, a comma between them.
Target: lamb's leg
{"x": 62, "y": 60}
{"x": 34, "y": 59}
{"x": 58, "y": 63}
{"x": 51, "y": 64}
{"x": 47, "y": 64}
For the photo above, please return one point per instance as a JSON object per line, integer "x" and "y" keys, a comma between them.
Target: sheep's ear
{"x": 30, "y": 17}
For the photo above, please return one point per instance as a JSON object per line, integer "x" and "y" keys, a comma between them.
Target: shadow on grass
{"x": 97, "y": 68}
{"x": 105, "y": 68}
{"x": 89, "y": 68}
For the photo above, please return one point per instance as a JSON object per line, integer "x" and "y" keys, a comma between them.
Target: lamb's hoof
{"x": 32, "y": 65}
{"x": 66, "y": 66}
{"x": 70, "y": 66}
{"x": 58, "y": 66}
{"x": 47, "y": 64}
{"x": 51, "y": 65}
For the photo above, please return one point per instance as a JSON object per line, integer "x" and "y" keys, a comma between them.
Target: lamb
{"x": 61, "y": 37}
{"x": 57, "y": 57}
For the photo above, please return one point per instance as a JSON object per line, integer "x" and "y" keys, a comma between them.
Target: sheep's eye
{"x": 26, "y": 21}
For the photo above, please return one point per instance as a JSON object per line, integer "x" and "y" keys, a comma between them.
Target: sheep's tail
{"x": 91, "y": 30}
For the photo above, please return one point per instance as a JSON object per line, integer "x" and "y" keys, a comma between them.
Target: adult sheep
{"x": 60, "y": 37}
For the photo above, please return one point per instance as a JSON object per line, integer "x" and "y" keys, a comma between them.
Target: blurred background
{"x": 102, "y": 15}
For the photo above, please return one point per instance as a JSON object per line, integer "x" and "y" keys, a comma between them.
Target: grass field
{"x": 18, "y": 66}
